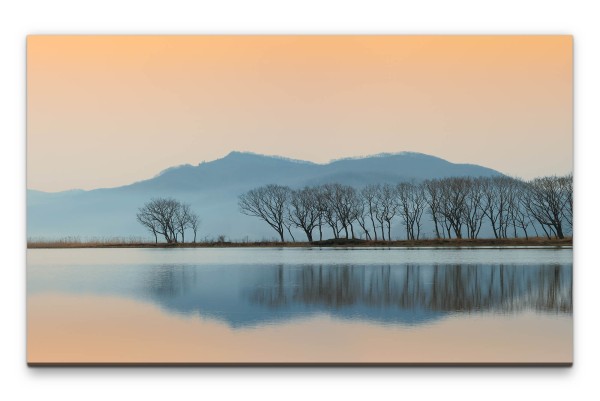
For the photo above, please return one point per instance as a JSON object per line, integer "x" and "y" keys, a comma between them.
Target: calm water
{"x": 300, "y": 305}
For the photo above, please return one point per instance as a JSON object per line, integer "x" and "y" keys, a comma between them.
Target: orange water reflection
{"x": 97, "y": 329}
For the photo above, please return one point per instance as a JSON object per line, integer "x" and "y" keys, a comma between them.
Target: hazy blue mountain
{"x": 212, "y": 188}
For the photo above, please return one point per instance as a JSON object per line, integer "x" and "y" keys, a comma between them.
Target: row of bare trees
{"x": 168, "y": 218}
{"x": 458, "y": 207}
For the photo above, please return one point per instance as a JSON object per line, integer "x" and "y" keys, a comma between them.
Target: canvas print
{"x": 299, "y": 200}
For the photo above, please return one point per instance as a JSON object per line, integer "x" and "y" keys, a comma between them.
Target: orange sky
{"x": 109, "y": 110}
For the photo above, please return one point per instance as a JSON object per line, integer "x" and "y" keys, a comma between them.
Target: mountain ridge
{"x": 247, "y": 155}
{"x": 212, "y": 189}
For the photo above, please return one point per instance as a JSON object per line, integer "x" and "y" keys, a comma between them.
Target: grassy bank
{"x": 487, "y": 242}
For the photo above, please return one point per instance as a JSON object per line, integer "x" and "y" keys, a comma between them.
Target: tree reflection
{"x": 408, "y": 294}
{"x": 442, "y": 288}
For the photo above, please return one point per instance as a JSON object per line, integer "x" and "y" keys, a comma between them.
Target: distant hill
{"x": 213, "y": 187}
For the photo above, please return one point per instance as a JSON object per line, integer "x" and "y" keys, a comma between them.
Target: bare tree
{"x": 341, "y": 199}
{"x": 160, "y": 217}
{"x": 356, "y": 212}
{"x": 546, "y": 203}
{"x": 458, "y": 206}
{"x": 446, "y": 224}
{"x": 267, "y": 203}
{"x": 511, "y": 203}
{"x": 321, "y": 206}
{"x": 349, "y": 204}
{"x": 386, "y": 208}
{"x": 566, "y": 185}
{"x": 454, "y": 192}
{"x": 419, "y": 204}
{"x": 360, "y": 213}
{"x": 194, "y": 224}
{"x": 473, "y": 211}
{"x": 433, "y": 199}
{"x": 497, "y": 192}
{"x": 519, "y": 214}
{"x": 288, "y": 226}
{"x": 369, "y": 195}
{"x": 329, "y": 194}
{"x": 183, "y": 215}
{"x": 303, "y": 210}
{"x": 411, "y": 205}
{"x": 147, "y": 220}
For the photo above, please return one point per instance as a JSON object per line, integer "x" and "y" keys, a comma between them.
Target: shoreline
{"x": 332, "y": 243}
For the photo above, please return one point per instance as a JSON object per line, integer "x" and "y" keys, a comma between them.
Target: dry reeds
{"x": 137, "y": 242}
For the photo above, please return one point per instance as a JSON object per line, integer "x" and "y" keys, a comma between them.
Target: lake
{"x": 304, "y": 305}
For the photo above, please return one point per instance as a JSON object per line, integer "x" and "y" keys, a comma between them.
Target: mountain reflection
{"x": 402, "y": 294}
{"x": 443, "y": 288}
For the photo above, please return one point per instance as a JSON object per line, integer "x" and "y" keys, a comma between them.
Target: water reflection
{"x": 436, "y": 288}
{"x": 409, "y": 294}
{"x": 299, "y": 305}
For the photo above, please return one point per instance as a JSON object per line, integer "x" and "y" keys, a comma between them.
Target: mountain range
{"x": 212, "y": 188}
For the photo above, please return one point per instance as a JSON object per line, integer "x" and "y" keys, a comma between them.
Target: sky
{"x": 105, "y": 111}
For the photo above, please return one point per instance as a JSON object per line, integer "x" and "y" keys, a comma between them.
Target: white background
{"x": 19, "y": 18}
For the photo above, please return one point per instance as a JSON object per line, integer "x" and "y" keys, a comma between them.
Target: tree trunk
{"x": 494, "y": 228}
{"x": 534, "y": 229}
{"x": 545, "y": 231}
{"x": 435, "y": 223}
{"x": 374, "y": 228}
{"x": 335, "y": 233}
{"x": 291, "y": 235}
{"x": 320, "y": 229}
{"x": 309, "y": 235}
